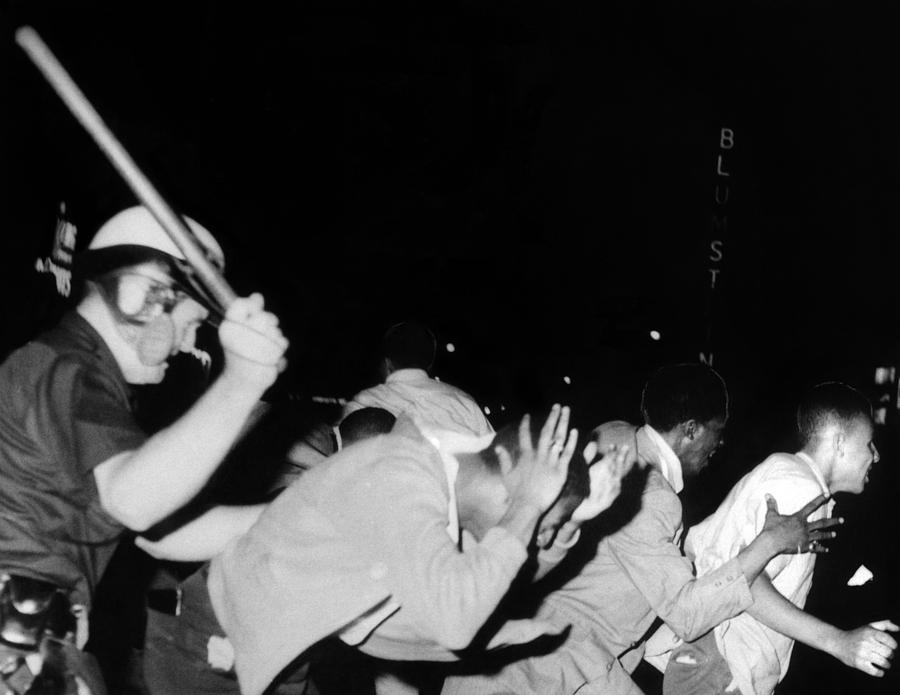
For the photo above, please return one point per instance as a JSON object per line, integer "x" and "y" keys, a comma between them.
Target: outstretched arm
{"x": 868, "y": 648}
{"x": 693, "y": 605}
{"x": 791, "y": 533}
{"x": 141, "y": 487}
{"x": 204, "y": 537}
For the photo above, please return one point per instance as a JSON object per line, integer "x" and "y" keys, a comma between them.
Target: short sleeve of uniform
{"x": 88, "y": 413}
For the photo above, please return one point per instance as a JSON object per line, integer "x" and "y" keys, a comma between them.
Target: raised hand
{"x": 868, "y": 648}
{"x": 606, "y": 475}
{"x": 793, "y": 534}
{"x": 540, "y": 471}
{"x": 254, "y": 345}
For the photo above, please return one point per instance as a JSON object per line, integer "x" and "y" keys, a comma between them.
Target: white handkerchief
{"x": 861, "y": 576}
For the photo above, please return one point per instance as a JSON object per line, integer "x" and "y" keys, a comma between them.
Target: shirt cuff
{"x": 731, "y": 577}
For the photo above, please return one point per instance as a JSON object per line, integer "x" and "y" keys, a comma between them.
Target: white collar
{"x": 411, "y": 374}
{"x": 448, "y": 444}
{"x": 669, "y": 464}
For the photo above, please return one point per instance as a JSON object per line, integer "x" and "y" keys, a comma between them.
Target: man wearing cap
{"x": 76, "y": 471}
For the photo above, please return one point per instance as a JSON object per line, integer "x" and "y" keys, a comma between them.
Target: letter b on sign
{"x": 726, "y": 138}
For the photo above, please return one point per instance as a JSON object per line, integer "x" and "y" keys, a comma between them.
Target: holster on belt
{"x": 31, "y": 609}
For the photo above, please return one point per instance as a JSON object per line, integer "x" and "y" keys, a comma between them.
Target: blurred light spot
{"x": 885, "y": 375}
{"x": 502, "y": 407}
{"x": 655, "y": 335}
{"x": 567, "y": 380}
{"x": 451, "y": 347}
{"x": 487, "y": 411}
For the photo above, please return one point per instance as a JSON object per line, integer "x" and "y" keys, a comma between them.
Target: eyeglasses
{"x": 166, "y": 296}
{"x": 142, "y": 297}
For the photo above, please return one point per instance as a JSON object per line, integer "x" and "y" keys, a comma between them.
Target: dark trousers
{"x": 697, "y": 668}
{"x": 176, "y": 648}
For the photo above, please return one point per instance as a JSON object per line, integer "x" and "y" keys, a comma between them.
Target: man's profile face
{"x": 856, "y": 459}
{"x": 186, "y": 313}
{"x": 707, "y": 439}
{"x": 168, "y": 316}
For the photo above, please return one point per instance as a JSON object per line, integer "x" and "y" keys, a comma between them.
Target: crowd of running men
{"x": 533, "y": 559}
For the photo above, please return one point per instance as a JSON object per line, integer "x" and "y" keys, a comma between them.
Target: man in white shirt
{"x": 629, "y": 569}
{"x": 408, "y": 353}
{"x": 750, "y": 652}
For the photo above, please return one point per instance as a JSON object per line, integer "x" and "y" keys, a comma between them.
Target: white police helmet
{"x": 134, "y": 236}
{"x": 135, "y": 226}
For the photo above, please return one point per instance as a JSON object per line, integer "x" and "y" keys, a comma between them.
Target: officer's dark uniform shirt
{"x": 64, "y": 409}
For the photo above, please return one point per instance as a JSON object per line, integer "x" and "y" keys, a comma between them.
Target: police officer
{"x": 76, "y": 471}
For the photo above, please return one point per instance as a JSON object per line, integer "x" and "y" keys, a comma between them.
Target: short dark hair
{"x": 681, "y": 392}
{"x": 827, "y": 402}
{"x": 365, "y": 423}
{"x": 409, "y": 345}
{"x": 577, "y": 483}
